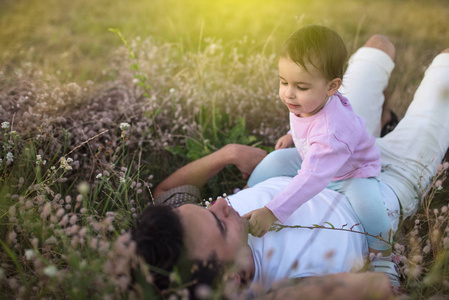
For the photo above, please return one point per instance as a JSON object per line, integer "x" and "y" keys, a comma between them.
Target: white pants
{"x": 413, "y": 150}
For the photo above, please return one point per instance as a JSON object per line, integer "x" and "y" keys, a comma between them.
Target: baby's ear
{"x": 333, "y": 86}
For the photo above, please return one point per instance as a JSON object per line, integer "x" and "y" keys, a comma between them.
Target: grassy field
{"x": 70, "y": 38}
{"x": 194, "y": 76}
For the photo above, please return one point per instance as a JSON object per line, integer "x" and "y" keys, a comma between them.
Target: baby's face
{"x": 304, "y": 93}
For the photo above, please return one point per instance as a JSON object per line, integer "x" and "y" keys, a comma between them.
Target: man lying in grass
{"x": 199, "y": 242}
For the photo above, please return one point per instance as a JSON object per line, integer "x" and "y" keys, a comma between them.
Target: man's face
{"x": 219, "y": 229}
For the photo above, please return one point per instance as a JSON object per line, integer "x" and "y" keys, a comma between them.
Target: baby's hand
{"x": 260, "y": 221}
{"x": 284, "y": 142}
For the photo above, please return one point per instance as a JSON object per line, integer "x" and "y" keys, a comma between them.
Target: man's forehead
{"x": 189, "y": 211}
{"x": 200, "y": 231}
{"x": 188, "y": 208}
{"x": 192, "y": 217}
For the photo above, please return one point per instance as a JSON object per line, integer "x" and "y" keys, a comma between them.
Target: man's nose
{"x": 221, "y": 206}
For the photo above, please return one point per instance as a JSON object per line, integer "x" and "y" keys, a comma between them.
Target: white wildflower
{"x": 13, "y": 283}
{"x": 82, "y": 232}
{"x": 172, "y": 90}
{"x": 417, "y": 258}
{"x": 60, "y": 213}
{"x": 34, "y": 242}
{"x": 99, "y": 176}
{"x": 93, "y": 243}
{"x": 5, "y": 125}
{"x": 64, "y": 163}
{"x": 29, "y": 204}
{"x": 446, "y": 241}
{"x": 9, "y": 156}
{"x": 110, "y": 214}
{"x": 51, "y": 240}
{"x": 203, "y": 292}
{"x": 83, "y": 188}
{"x": 12, "y": 211}
{"x": 123, "y": 282}
{"x": 83, "y": 264}
{"x": 50, "y": 271}
{"x": 12, "y": 237}
{"x": 46, "y": 210}
{"x": 124, "y": 126}
{"x": 212, "y": 48}
{"x": 29, "y": 254}
{"x": 415, "y": 272}
{"x": 64, "y": 220}
{"x": 73, "y": 219}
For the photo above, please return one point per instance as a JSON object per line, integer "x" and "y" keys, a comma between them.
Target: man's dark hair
{"x": 159, "y": 239}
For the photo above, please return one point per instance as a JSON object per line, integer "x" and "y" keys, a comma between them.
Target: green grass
{"x": 72, "y": 37}
{"x": 211, "y": 66}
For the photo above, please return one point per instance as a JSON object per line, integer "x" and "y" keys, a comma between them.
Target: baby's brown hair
{"x": 319, "y": 46}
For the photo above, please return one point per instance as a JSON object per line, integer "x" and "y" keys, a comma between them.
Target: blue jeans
{"x": 363, "y": 193}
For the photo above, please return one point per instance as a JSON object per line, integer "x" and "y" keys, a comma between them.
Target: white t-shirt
{"x": 300, "y": 252}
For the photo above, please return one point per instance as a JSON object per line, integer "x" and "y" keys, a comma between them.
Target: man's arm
{"x": 336, "y": 286}
{"x": 198, "y": 172}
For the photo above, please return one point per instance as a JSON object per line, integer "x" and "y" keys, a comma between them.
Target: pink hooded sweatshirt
{"x": 334, "y": 145}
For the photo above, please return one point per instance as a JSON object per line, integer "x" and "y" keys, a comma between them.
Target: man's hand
{"x": 245, "y": 158}
{"x": 198, "y": 172}
{"x": 260, "y": 221}
{"x": 284, "y": 142}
